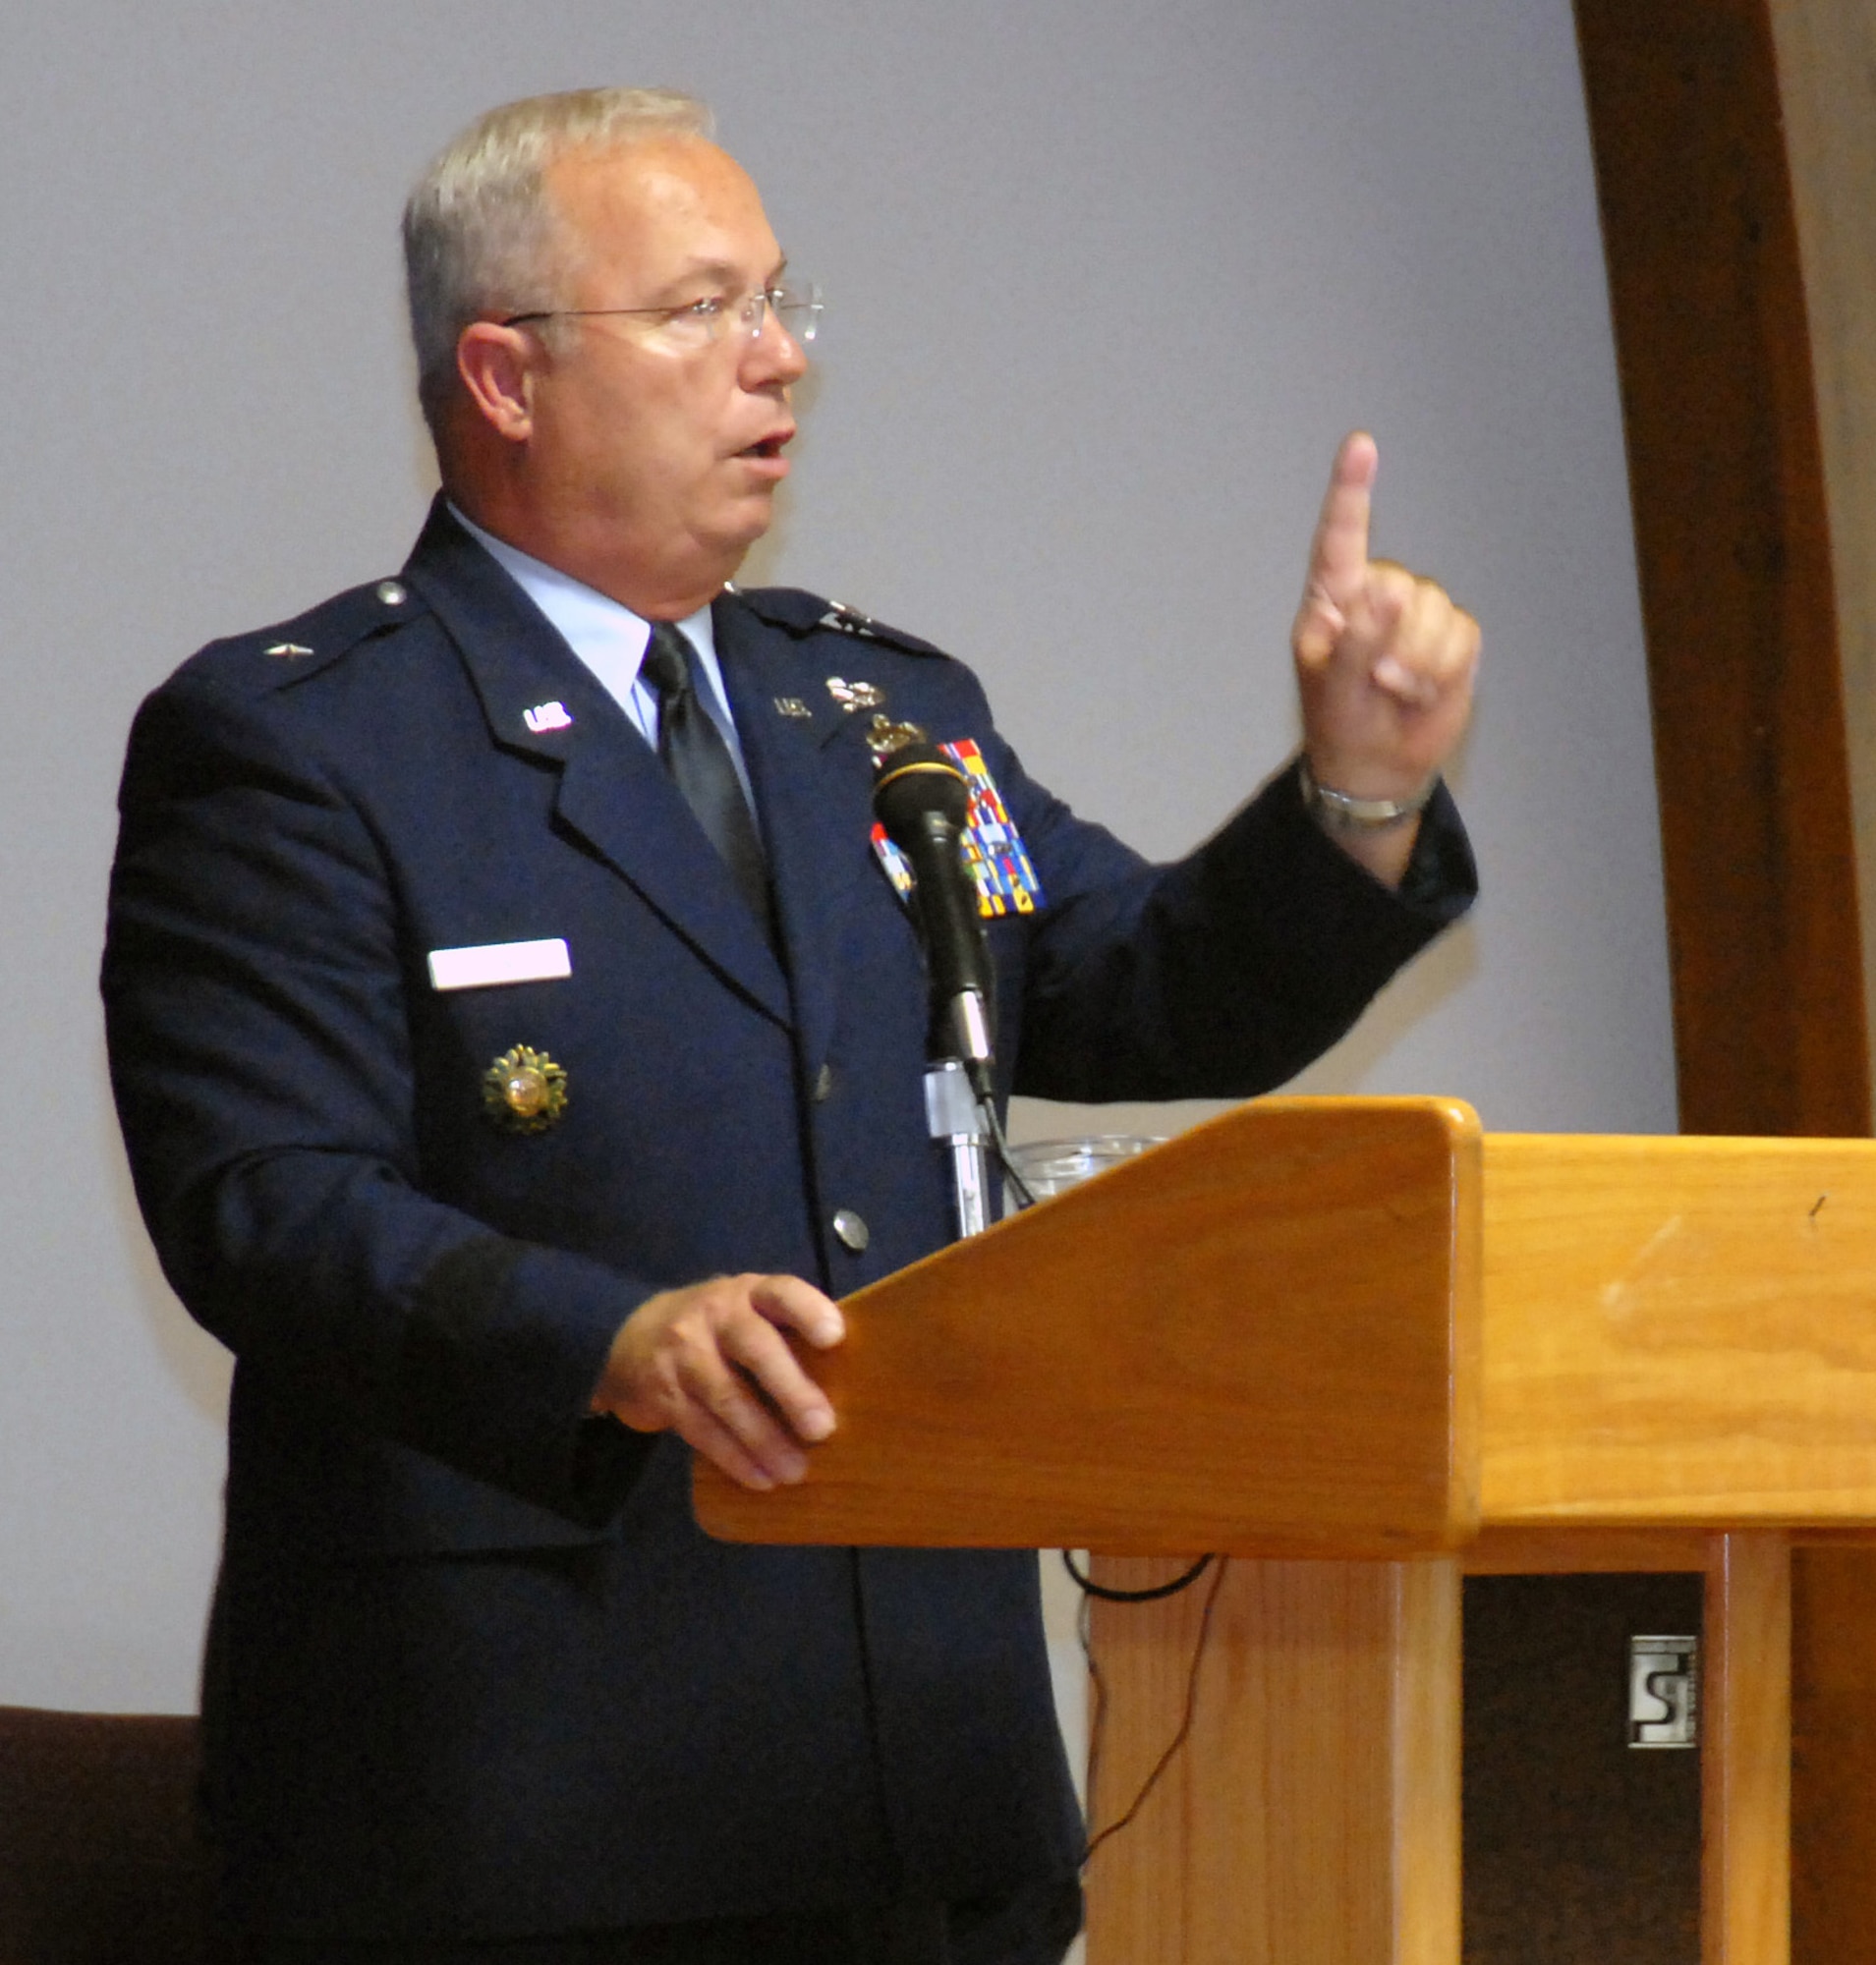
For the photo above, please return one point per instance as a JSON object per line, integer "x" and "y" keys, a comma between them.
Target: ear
{"x": 496, "y": 364}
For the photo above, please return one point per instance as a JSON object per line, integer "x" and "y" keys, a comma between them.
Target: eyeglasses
{"x": 795, "y": 304}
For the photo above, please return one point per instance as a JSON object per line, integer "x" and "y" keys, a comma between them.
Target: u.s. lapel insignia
{"x": 546, "y": 716}
{"x": 852, "y": 696}
{"x": 792, "y": 706}
{"x": 524, "y": 1090}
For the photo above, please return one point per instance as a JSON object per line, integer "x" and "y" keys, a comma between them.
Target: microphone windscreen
{"x": 915, "y": 782}
{"x": 922, "y": 800}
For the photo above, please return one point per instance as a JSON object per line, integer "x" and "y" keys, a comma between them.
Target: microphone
{"x": 922, "y": 800}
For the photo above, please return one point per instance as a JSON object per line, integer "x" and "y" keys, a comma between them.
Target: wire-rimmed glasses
{"x": 796, "y": 305}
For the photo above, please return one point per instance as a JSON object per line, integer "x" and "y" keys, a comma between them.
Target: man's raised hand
{"x": 1385, "y": 660}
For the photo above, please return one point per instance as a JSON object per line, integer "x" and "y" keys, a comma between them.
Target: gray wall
{"x": 1108, "y": 281}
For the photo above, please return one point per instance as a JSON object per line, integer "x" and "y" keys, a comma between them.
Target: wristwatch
{"x": 1343, "y": 811}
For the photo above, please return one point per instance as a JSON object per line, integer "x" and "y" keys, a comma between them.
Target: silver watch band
{"x": 1343, "y": 811}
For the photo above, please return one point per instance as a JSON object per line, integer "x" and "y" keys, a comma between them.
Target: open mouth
{"x": 769, "y": 446}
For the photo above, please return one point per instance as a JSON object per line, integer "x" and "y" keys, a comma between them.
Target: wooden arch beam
{"x": 1735, "y": 158}
{"x": 1733, "y": 551}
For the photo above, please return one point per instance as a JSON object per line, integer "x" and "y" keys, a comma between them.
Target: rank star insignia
{"x": 852, "y": 696}
{"x": 524, "y": 1090}
{"x": 288, "y": 651}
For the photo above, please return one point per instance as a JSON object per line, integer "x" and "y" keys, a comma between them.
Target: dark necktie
{"x": 698, "y": 758}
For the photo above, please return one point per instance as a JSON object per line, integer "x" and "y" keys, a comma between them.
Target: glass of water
{"x": 1053, "y": 1166}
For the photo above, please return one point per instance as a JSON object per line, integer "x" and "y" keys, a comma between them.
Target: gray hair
{"x": 479, "y": 230}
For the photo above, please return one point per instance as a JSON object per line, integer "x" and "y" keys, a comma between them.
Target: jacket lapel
{"x": 613, "y": 792}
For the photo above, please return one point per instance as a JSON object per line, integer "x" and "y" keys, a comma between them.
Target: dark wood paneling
{"x": 1735, "y": 558}
{"x": 1578, "y": 1847}
{"x": 1733, "y": 551}
{"x": 1833, "y": 1757}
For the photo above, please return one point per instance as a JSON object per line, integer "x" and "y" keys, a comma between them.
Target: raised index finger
{"x": 1338, "y": 553}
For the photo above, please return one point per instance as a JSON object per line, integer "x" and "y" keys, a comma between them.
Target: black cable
{"x": 1098, "y": 1686}
{"x": 1109, "y": 1594}
{"x": 1179, "y": 1739}
{"x": 987, "y": 1110}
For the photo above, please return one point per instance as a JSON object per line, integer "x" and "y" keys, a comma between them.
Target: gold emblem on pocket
{"x": 524, "y": 1090}
{"x": 885, "y": 738}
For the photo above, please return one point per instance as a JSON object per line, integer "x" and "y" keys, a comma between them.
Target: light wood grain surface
{"x": 1679, "y": 1331}
{"x": 1261, "y": 1335}
{"x": 1268, "y": 1337}
{"x": 1313, "y": 1817}
{"x": 1745, "y": 1726}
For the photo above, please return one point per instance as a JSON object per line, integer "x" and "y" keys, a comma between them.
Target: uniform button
{"x": 851, "y": 1229}
{"x": 824, "y": 1083}
{"x": 393, "y": 593}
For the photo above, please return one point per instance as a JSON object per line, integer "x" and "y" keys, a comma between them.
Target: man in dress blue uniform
{"x": 506, "y": 1106}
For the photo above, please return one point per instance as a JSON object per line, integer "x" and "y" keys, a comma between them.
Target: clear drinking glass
{"x": 1053, "y": 1166}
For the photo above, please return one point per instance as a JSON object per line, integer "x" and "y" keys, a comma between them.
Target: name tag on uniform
{"x": 497, "y": 962}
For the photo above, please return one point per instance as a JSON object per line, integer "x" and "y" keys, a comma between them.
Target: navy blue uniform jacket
{"x": 472, "y": 1665}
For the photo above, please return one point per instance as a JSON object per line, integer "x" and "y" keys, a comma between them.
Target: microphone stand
{"x": 922, "y": 802}
{"x": 955, "y": 1120}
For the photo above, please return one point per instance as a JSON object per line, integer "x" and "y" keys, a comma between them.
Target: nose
{"x": 771, "y": 354}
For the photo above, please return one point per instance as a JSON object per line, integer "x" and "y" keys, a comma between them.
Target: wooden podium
{"x": 1369, "y": 1349}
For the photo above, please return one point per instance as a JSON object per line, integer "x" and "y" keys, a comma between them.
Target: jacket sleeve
{"x": 254, "y": 991}
{"x": 1222, "y": 973}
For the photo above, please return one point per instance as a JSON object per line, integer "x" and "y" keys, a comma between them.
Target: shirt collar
{"x": 606, "y": 636}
